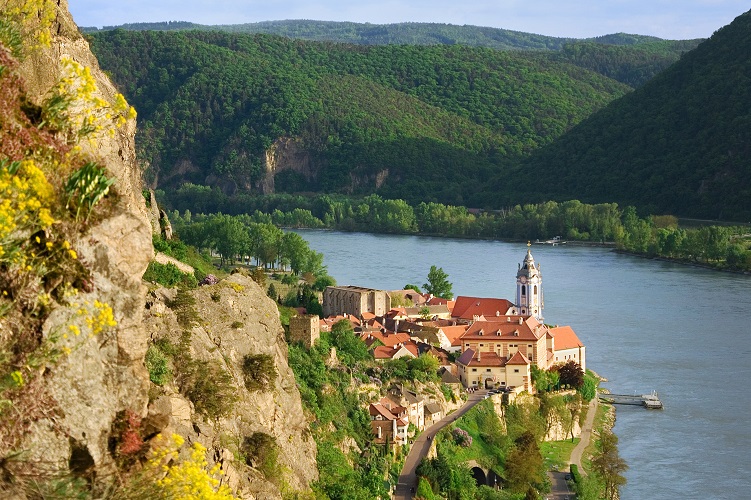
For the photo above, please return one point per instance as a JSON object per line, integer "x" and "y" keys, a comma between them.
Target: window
{"x": 516, "y": 370}
{"x": 474, "y": 369}
{"x": 524, "y": 291}
{"x": 487, "y": 370}
{"x": 482, "y": 345}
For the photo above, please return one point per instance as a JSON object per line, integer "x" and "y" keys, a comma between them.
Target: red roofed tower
{"x": 529, "y": 298}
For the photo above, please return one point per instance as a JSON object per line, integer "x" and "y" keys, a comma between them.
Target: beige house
{"x": 387, "y": 427}
{"x": 355, "y": 300}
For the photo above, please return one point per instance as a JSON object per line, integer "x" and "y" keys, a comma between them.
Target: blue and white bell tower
{"x": 529, "y": 299}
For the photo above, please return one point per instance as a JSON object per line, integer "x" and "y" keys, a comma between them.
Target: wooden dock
{"x": 650, "y": 401}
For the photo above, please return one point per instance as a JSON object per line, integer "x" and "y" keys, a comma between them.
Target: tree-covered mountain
{"x": 630, "y": 59}
{"x": 679, "y": 144}
{"x": 431, "y": 123}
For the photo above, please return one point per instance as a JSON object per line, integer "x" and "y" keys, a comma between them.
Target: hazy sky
{"x": 672, "y": 19}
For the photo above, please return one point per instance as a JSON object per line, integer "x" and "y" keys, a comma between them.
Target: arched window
{"x": 535, "y": 289}
{"x": 524, "y": 290}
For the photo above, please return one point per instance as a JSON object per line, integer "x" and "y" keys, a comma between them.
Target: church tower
{"x": 529, "y": 299}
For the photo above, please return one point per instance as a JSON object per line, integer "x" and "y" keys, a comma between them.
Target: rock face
{"x": 106, "y": 375}
{"x": 236, "y": 319}
{"x": 286, "y": 154}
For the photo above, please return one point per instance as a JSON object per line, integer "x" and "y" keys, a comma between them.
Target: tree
{"x": 525, "y": 468}
{"x": 438, "y": 283}
{"x": 571, "y": 374}
{"x": 609, "y": 465}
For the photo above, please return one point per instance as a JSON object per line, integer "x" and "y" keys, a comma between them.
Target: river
{"x": 648, "y": 325}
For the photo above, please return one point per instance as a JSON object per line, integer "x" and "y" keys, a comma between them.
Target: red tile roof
{"x": 469, "y": 307}
{"x": 487, "y": 359}
{"x": 506, "y": 328}
{"x": 454, "y": 333}
{"x": 565, "y": 338}
{"x": 518, "y": 359}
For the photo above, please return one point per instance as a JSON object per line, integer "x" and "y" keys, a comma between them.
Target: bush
{"x": 158, "y": 366}
{"x": 210, "y": 389}
{"x": 261, "y": 452}
{"x": 259, "y": 372}
{"x": 168, "y": 275}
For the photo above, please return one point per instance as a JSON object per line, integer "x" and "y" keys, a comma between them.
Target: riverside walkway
{"x": 419, "y": 450}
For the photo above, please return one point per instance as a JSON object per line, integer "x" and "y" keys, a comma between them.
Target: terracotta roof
{"x": 518, "y": 359}
{"x": 487, "y": 359}
{"x": 565, "y": 338}
{"x": 368, "y": 316}
{"x": 377, "y": 409}
{"x": 453, "y": 333}
{"x": 469, "y": 307}
{"x": 506, "y": 328}
{"x": 383, "y": 352}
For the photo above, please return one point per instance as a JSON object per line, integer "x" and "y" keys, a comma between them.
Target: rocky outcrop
{"x": 103, "y": 375}
{"x": 286, "y": 154}
{"x": 235, "y": 319}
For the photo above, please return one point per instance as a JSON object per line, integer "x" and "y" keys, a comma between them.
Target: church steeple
{"x": 529, "y": 299}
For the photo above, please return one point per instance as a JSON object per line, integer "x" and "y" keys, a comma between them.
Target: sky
{"x": 669, "y": 19}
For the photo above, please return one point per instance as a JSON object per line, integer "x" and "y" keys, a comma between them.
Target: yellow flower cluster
{"x": 78, "y": 90}
{"x": 188, "y": 479}
{"x": 34, "y": 17}
{"x": 25, "y": 200}
{"x": 99, "y": 320}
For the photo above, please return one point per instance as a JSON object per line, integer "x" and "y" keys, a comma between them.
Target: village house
{"x": 387, "y": 427}
{"x": 412, "y": 401}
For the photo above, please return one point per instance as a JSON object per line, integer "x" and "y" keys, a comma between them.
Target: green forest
{"x": 679, "y": 144}
{"x": 427, "y": 123}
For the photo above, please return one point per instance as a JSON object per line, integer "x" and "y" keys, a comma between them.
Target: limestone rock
{"x": 103, "y": 375}
{"x": 235, "y": 319}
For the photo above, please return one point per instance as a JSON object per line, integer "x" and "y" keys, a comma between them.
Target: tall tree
{"x": 438, "y": 283}
{"x": 609, "y": 465}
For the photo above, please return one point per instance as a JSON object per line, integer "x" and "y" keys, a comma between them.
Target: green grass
{"x": 557, "y": 453}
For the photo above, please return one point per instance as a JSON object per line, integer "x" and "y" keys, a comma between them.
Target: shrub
{"x": 168, "y": 275}
{"x": 210, "y": 389}
{"x": 210, "y": 279}
{"x": 237, "y": 324}
{"x": 259, "y": 371}
{"x": 462, "y": 437}
{"x": 158, "y": 366}
{"x": 261, "y": 452}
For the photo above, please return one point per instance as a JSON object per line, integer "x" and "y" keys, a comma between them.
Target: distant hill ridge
{"x": 411, "y": 33}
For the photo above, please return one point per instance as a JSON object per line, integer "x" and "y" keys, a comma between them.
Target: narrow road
{"x": 408, "y": 478}
{"x": 559, "y": 485}
{"x": 586, "y": 435}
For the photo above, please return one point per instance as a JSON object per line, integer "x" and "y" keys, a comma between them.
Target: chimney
{"x": 478, "y": 354}
{"x": 521, "y": 321}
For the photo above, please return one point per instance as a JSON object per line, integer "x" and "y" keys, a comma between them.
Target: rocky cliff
{"x": 73, "y": 336}
{"x": 93, "y": 380}
{"x": 221, "y": 327}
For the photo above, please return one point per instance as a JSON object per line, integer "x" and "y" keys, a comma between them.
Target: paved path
{"x": 559, "y": 485}
{"x": 586, "y": 435}
{"x": 421, "y": 446}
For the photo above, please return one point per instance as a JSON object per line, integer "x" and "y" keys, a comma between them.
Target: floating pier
{"x": 650, "y": 401}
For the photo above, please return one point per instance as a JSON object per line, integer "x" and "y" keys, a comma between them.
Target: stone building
{"x": 305, "y": 329}
{"x": 355, "y": 300}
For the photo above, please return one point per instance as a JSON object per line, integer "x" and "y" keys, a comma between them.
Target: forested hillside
{"x": 627, "y": 58}
{"x": 429, "y": 123}
{"x": 680, "y": 144}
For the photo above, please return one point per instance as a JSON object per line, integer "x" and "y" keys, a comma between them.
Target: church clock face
{"x": 523, "y": 279}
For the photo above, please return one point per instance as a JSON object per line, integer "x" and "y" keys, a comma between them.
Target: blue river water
{"x": 648, "y": 325}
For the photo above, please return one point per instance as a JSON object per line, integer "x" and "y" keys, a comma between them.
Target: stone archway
{"x": 479, "y": 475}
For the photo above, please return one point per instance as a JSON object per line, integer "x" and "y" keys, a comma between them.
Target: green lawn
{"x": 557, "y": 453}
